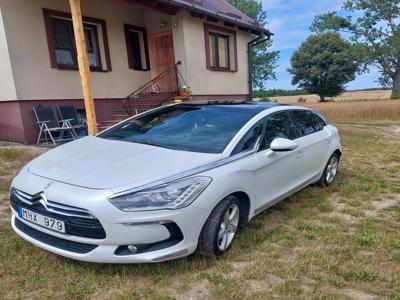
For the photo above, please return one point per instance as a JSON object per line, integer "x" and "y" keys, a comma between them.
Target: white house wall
{"x": 206, "y": 82}
{"x": 35, "y": 78}
{"x": 27, "y": 42}
{"x": 7, "y": 85}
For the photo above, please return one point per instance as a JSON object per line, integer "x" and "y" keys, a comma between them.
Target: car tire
{"x": 220, "y": 229}
{"x": 330, "y": 171}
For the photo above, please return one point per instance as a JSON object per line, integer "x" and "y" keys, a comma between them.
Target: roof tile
{"x": 223, "y": 7}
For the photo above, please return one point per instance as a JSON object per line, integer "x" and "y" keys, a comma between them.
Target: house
{"x": 142, "y": 48}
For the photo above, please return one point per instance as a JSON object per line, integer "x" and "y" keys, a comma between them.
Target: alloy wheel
{"x": 331, "y": 169}
{"x": 228, "y": 227}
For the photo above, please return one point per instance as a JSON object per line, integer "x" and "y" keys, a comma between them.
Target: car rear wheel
{"x": 220, "y": 229}
{"x": 330, "y": 171}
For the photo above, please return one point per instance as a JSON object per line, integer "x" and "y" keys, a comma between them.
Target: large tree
{"x": 264, "y": 60}
{"x": 374, "y": 29}
{"x": 323, "y": 65}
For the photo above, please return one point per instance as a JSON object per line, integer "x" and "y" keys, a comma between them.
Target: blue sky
{"x": 290, "y": 20}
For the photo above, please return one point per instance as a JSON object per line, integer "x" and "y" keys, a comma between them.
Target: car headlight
{"x": 173, "y": 195}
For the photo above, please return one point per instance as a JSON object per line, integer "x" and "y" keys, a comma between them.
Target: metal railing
{"x": 165, "y": 86}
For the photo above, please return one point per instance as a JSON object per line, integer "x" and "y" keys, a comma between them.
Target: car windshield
{"x": 194, "y": 128}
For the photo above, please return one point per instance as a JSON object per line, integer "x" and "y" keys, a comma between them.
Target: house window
{"x": 221, "y": 52}
{"x": 61, "y": 41}
{"x": 137, "y": 47}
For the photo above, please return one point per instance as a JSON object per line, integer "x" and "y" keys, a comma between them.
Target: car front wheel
{"x": 220, "y": 228}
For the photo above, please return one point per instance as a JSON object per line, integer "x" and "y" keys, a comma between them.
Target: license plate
{"x": 41, "y": 220}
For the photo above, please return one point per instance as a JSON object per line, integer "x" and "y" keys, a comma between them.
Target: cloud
{"x": 290, "y": 21}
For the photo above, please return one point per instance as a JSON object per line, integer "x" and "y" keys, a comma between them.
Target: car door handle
{"x": 300, "y": 153}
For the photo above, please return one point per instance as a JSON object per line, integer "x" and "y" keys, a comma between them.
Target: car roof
{"x": 254, "y": 107}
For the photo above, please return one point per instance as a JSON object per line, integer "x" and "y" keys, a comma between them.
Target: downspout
{"x": 250, "y": 45}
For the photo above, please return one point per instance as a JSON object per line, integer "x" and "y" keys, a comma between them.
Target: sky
{"x": 290, "y": 20}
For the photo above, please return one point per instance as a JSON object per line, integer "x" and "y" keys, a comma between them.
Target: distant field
{"x": 382, "y": 110}
{"x": 348, "y": 96}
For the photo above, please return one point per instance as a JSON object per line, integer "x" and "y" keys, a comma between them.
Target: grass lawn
{"x": 337, "y": 243}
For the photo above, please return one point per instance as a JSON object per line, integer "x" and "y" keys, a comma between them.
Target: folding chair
{"x": 48, "y": 125}
{"x": 69, "y": 113}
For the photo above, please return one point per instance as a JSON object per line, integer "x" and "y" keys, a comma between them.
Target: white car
{"x": 171, "y": 181}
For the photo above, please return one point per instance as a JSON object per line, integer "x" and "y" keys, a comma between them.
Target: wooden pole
{"x": 83, "y": 64}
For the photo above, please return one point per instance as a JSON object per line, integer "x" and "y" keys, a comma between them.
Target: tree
{"x": 323, "y": 65}
{"x": 264, "y": 61}
{"x": 375, "y": 32}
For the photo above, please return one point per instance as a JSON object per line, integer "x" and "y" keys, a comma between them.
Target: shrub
{"x": 302, "y": 100}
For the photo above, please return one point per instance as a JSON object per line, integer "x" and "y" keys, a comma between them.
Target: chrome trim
{"x": 161, "y": 222}
{"x": 178, "y": 254}
{"x": 192, "y": 172}
{"x": 53, "y": 207}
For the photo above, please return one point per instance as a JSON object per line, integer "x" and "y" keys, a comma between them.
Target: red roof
{"x": 222, "y": 10}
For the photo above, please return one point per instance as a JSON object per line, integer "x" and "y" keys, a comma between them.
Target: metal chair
{"x": 70, "y": 113}
{"x": 49, "y": 126}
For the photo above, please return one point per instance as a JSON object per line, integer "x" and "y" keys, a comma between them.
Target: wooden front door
{"x": 161, "y": 52}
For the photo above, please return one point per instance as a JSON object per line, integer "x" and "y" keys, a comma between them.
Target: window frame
{"x": 263, "y": 122}
{"x": 94, "y": 23}
{"x": 129, "y": 50}
{"x": 223, "y": 32}
{"x": 288, "y": 112}
{"x": 216, "y": 36}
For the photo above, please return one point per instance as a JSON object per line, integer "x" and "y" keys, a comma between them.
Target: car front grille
{"x": 75, "y": 247}
{"x": 78, "y": 221}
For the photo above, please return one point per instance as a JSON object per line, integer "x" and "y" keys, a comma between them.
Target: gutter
{"x": 250, "y": 45}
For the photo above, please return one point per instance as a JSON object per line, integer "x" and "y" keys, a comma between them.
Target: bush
{"x": 302, "y": 100}
{"x": 278, "y": 92}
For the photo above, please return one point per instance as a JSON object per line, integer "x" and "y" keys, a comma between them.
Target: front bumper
{"x": 153, "y": 229}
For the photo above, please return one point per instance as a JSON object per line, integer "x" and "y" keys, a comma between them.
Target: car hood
{"x": 98, "y": 163}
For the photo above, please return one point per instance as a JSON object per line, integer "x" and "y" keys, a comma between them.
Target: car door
{"x": 281, "y": 171}
{"x": 313, "y": 143}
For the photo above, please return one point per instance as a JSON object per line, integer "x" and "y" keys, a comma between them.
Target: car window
{"x": 278, "y": 125}
{"x": 249, "y": 139}
{"x": 320, "y": 120}
{"x": 206, "y": 129}
{"x": 307, "y": 121}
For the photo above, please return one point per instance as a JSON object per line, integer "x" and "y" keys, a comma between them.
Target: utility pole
{"x": 83, "y": 63}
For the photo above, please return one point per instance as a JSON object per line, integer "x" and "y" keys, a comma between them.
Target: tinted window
{"x": 320, "y": 120}
{"x": 249, "y": 139}
{"x": 307, "y": 121}
{"x": 279, "y": 125}
{"x": 206, "y": 129}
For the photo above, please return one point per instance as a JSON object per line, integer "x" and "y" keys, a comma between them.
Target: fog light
{"x": 132, "y": 248}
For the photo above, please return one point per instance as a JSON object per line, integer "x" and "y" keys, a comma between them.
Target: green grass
{"x": 318, "y": 244}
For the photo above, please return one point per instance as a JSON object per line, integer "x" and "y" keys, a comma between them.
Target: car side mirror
{"x": 282, "y": 145}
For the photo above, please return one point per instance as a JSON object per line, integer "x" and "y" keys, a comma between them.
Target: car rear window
{"x": 206, "y": 129}
{"x": 307, "y": 121}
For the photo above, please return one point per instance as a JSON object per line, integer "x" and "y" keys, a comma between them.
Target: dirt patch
{"x": 394, "y": 129}
{"x": 198, "y": 290}
{"x": 380, "y": 205}
{"x": 338, "y": 208}
{"x": 267, "y": 284}
{"x": 358, "y": 295}
{"x": 274, "y": 219}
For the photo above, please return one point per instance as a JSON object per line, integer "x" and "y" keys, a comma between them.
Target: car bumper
{"x": 150, "y": 231}
{"x": 118, "y": 237}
